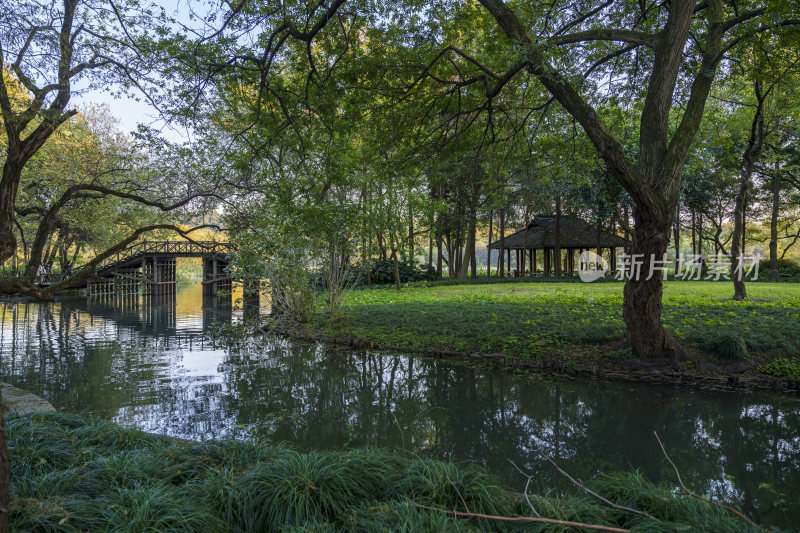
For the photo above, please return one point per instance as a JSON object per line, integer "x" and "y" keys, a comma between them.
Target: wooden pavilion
{"x": 577, "y": 235}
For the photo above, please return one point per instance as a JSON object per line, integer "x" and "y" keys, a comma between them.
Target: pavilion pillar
{"x": 613, "y": 259}
{"x": 546, "y": 262}
{"x": 509, "y": 271}
{"x": 570, "y": 260}
{"x": 530, "y": 261}
{"x": 600, "y": 253}
{"x": 533, "y": 261}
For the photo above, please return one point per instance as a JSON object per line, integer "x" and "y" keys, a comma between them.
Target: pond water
{"x": 153, "y": 365}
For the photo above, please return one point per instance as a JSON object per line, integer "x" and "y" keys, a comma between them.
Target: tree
{"x": 46, "y": 48}
{"x": 653, "y": 180}
{"x": 672, "y": 50}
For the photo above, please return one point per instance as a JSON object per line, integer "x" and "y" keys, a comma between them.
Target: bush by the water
{"x": 73, "y": 473}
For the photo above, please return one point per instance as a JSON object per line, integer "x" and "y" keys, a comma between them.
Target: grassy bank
{"x": 577, "y": 323}
{"x": 72, "y": 473}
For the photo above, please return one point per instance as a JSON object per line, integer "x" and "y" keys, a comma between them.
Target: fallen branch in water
{"x": 591, "y": 492}
{"x": 539, "y": 520}
{"x": 695, "y": 495}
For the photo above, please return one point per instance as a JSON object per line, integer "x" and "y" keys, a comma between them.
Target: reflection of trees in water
{"x": 151, "y": 366}
{"x": 98, "y": 355}
{"x": 723, "y": 443}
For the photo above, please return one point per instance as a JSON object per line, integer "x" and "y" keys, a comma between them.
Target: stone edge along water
{"x": 18, "y": 401}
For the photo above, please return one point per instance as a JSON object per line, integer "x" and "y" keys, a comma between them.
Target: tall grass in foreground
{"x": 74, "y": 473}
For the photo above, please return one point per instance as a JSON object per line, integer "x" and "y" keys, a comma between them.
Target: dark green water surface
{"x": 152, "y": 365}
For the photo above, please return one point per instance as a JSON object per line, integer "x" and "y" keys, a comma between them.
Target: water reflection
{"x": 149, "y": 363}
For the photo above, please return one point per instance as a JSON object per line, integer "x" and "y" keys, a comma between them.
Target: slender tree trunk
{"x": 754, "y": 146}
{"x": 773, "y": 226}
{"x": 469, "y": 250}
{"x": 557, "y": 237}
{"x": 396, "y": 271}
{"x": 626, "y": 234}
{"x": 430, "y": 243}
{"x": 501, "y": 259}
{"x": 677, "y": 238}
{"x": 411, "y": 236}
{"x": 439, "y": 245}
{"x": 489, "y": 247}
{"x": 744, "y": 223}
{"x": 739, "y": 289}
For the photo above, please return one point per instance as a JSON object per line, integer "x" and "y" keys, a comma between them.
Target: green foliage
{"x": 788, "y": 270}
{"x": 72, "y": 473}
{"x": 383, "y": 272}
{"x": 729, "y": 346}
{"x": 786, "y": 368}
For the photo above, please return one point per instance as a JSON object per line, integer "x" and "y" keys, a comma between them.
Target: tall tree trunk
{"x": 396, "y": 271}
{"x": 677, "y": 238}
{"x": 625, "y": 233}
{"x": 469, "y": 249}
{"x": 773, "y": 225}
{"x": 754, "y": 145}
{"x": 439, "y": 245}
{"x": 501, "y": 259}
{"x": 744, "y": 223}
{"x": 489, "y": 247}
{"x": 410, "y": 236}
{"x": 430, "y": 243}
{"x": 557, "y": 237}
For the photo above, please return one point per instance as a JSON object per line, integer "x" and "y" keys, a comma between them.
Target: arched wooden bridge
{"x": 151, "y": 265}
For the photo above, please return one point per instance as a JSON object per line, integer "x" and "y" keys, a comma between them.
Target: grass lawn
{"x": 528, "y": 318}
{"x": 71, "y": 473}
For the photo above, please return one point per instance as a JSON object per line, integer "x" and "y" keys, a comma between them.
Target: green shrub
{"x": 727, "y": 345}
{"x": 783, "y": 367}
{"x": 788, "y": 270}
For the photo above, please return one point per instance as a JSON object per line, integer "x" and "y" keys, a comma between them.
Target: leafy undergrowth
{"x": 525, "y": 319}
{"x": 74, "y": 473}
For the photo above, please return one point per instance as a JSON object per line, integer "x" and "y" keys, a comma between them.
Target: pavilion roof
{"x": 575, "y": 233}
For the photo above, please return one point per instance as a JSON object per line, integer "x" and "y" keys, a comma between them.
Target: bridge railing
{"x": 165, "y": 248}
